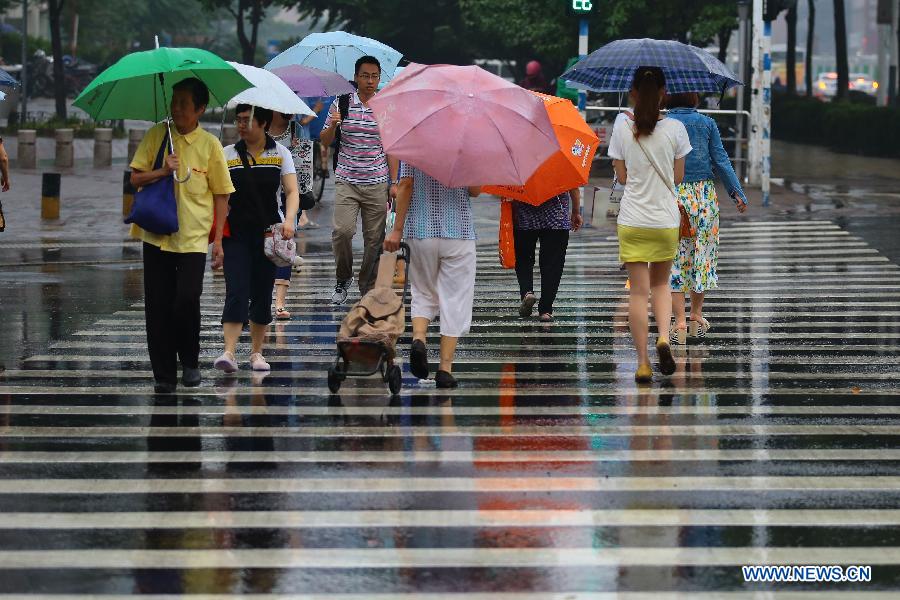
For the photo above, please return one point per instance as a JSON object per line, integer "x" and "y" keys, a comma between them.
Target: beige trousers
{"x": 349, "y": 202}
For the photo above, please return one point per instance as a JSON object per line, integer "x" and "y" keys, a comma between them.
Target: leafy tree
{"x": 247, "y": 15}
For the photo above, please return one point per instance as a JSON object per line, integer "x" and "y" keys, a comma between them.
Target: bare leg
{"x": 696, "y": 306}
{"x": 678, "y": 310}
{"x": 448, "y": 351}
{"x": 420, "y": 328}
{"x": 661, "y": 296}
{"x": 281, "y": 288}
{"x": 257, "y": 336}
{"x": 638, "y": 319}
{"x": 232, "y": 333}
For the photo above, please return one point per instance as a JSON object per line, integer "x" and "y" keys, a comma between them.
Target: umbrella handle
{"x": 177, "y": 180}
{"x": 172, "y": 150}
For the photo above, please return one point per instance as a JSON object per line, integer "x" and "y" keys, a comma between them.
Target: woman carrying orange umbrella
{"x": 548, "y": 206}
{"x": 550, "y": 224}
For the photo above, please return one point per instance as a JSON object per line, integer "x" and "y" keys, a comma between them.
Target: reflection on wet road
{"x": 548, "y": 471}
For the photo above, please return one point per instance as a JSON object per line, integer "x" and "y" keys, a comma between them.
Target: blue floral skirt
{"x": 695, "y": 264}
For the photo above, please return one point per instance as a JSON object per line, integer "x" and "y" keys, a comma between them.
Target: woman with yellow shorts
{"x": 648, "y": 155}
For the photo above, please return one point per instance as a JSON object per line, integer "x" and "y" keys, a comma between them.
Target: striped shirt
{"x": 361, "y": 160}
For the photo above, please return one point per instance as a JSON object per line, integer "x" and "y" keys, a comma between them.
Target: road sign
{"x": 580, "y": 8}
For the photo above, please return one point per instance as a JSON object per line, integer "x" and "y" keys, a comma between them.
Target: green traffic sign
{"x": 579, "y": 7}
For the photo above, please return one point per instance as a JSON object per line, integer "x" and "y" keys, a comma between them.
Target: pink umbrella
{"x": 309, "y": 82}
{"x": 463, "y": 125}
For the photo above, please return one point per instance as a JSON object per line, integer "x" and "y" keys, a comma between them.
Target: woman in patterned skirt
{"x": 295, "y": 137}
{"x": 694, "y": 267}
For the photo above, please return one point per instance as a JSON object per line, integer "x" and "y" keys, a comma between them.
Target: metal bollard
{"x": 65, "y": 148}
{"x": 50, "y": 187}
{"x": 229, "y": 135}
{"x": 27, "y": 154}
{"x": 127, "y": 194}
{"x": 103, "y": 147}
{"x": 134, "y": 139}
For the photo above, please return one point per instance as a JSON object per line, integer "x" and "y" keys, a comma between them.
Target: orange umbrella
{"x": 568, "y": 168}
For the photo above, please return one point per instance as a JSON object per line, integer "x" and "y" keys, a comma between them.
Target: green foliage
{"x": 109, "y": 30}
{"x": 11, "y": 47}
{"x": 843, "y": 126}
{"x": 81, "y": 129}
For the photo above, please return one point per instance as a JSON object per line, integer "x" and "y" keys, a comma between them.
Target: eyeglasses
{"x": 370, "y": 76}
{"x": 245, "y": 121}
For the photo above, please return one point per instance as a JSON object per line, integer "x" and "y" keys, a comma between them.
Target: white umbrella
{"x": 268, "y": 91}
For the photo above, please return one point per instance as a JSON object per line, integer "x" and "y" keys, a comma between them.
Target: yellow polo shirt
{"x": 202, "y": 153}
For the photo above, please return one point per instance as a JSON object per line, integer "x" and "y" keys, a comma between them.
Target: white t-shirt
{"x": 648, "y": 201}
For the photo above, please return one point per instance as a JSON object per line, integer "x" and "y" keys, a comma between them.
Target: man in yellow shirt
{"x": 174, "y": 264}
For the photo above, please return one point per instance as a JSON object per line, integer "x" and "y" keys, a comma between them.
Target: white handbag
{"x": 279, "y": 250}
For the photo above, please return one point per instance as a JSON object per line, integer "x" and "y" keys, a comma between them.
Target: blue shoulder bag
{"x": 155, "y": 209}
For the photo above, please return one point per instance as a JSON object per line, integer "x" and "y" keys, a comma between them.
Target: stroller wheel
{"x": 395, "y": 379}
{"x": 334, "y": 380}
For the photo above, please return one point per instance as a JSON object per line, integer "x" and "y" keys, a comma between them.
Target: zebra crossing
{"x": 547, "y": 474}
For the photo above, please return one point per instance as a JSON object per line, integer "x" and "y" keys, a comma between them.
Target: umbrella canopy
{"x": 569, "y": 167}
{"x": 463, "y": 125}
{"x": 397, "y": 72}
{"x": 139, "y": 85}
{"x": 268, "y": 91}
{"x": 313, "y": 83}
{"x": 687, "y": 68}
{"x": 7, "y": 79}
{"x": 337, "y": 51}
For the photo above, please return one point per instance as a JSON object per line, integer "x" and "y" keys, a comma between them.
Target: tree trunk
{"x": 724, "y": 40}
{"x": 59, "y": 73}
{"x": 247, "y": 51}
{"x": 256, "y": 16}
{"x": 792, "y": 51}
{"x": 810, "y": 38}
{"x": 840, "y": 45}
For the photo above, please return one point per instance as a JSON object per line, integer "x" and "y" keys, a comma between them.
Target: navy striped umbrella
{"x": 687, "y": 68}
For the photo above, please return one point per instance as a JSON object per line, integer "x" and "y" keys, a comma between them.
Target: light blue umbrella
{"x": 8, "y": 80}
{"x": 397, "y": 71}
{"x": 337, "y": 51}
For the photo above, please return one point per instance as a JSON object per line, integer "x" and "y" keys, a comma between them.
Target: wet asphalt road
{"x": 547, "y": 472}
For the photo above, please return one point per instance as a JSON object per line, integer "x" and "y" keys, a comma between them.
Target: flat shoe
{"x": 644, "y": 374}
{"x": 281, "y": 314}
{"x": 227, "y": 363}
{"x": 527, "y": 305}
{"x": 258, "y": 363}
{"x": 445, "y": 380}
{"x": 418, "y": 359}
{"x": 666, "y": 361}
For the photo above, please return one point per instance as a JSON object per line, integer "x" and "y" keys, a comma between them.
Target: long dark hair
{"x": 648, "y": 81}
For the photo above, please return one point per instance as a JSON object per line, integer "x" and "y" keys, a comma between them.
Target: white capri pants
{"x": 442, "y": 282}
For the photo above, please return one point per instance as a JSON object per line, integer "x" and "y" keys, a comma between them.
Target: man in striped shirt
{"x": 361, "y": 181}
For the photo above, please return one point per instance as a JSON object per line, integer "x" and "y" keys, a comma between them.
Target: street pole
{"x": 761, "y": 103}
{"x": 743, "y": 22}
{"x": 582, "y": 52}
{"x": 23, "y": 74}
{"x": 884, "y": 22}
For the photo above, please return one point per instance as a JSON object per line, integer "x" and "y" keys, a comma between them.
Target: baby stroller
{"x": 367, "y": 340}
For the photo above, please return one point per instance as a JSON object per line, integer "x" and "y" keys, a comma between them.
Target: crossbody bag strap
{"x": 161, "y": 154}
{"x": 655, "y": 168}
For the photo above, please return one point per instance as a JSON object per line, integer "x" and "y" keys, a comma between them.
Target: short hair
{"x": 199, "y": 91}
{"x": 263, "y": 116}
{"x": 683, "y": 100}
{"x": 366, "y": 60}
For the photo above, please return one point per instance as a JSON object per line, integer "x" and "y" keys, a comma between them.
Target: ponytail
{"x": 648, "y": 81}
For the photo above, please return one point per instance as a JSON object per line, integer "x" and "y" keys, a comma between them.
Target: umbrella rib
{"x": 508, "y": 149}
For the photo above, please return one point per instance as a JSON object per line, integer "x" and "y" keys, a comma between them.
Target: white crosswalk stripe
{"x": 775, "y": 443}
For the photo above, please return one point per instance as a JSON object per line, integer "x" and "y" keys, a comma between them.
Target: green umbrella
{"x": 139, "y": 85}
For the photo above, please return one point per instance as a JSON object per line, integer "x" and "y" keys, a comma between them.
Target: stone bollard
{"x": 134, "y": 139}
{"x": 127, "y": 194}
{"x": 27, "y": 154}
{"x": 50, "y": 187}
{"x": 103, "y": 147}
{"x": 229, "y": 135}
{"x": 65, "y": 148}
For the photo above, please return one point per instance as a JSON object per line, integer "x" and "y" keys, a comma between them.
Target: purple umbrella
{"x": 309, "y": 82}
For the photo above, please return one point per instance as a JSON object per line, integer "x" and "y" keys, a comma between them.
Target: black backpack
{"x": 344, "y": 108}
